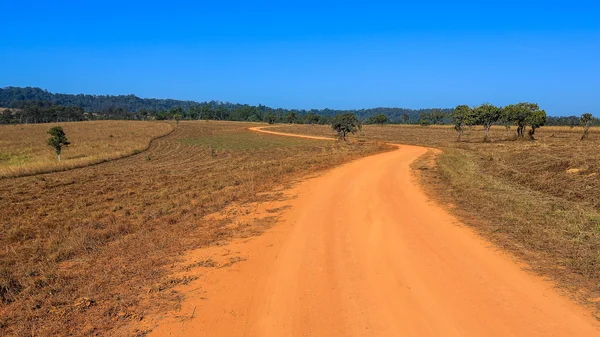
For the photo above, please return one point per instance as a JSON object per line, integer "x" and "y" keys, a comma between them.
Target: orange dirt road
{"x": 363, "y": 252}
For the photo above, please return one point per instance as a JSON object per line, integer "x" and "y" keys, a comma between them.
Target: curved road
{"x": 363, "y": 252}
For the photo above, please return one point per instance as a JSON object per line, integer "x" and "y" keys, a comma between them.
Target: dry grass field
{"x": 85, "y": 251}
{"x": 538, "y": 199}
{"x": 23, "y": 148}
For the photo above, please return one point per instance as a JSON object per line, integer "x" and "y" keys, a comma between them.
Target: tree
{"x": 345, "y": 123}
{"x": 57, "y": 140}
{"x": 424, "y": 119}
{"x": 177, "y": 117}
{"x": 586, "y": 121}
{"x": 436, "y": 116}
{"x": 405, "y": 118}
{"x": 486, "y": 115}
{"x": 291, "y": 117}
{"x": 206, "y": 111}
{"x": 506, "y": 119}
{"x": 535, "y": 119}
{"x": 520, "y": 114}
{"x": 378, "y": 119}
{"x": 311, "y": 118}
{"x": 270, "y": 118}
{"x": 461, "y": 116}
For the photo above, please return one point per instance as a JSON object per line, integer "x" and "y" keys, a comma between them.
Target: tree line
{"x": 34, "y": 105}
{"x": 135, "y": 108}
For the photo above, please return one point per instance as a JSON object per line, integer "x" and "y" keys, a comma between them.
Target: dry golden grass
{"x": 539, "y": 199}
{"x": 88, "y": 250}
{"x": 23, "y": 148}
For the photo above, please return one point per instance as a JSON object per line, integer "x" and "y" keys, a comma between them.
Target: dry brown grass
{"x": 85, "y": 251}
{"x": 539, "y": 199}
{"x": 23, "y": 149}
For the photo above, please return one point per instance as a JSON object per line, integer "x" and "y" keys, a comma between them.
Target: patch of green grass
{"x": 9, "y": 159}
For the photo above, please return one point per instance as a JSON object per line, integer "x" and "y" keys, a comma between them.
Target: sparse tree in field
{"x": 405, "y": 118}
{"x": 424, "y": 119}
{"x": 506, "y": 119}
{"x": 345, "y": 123}
{"x": 177, "y": 117}
{"x": 586, "y": 121}
{"x": 379, "y": 119}
{"x": 486, "y": 115}
{"x": 436, "y": 116}
{"x": 57, "y": 140}
{"x": 535, "y": 119}
{"x": 519, "y": 114}
{"x": 461, "y": 116}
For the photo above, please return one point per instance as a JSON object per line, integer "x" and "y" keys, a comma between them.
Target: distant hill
{"x": 16, "y": 97}
{"x": 11, "y": 96}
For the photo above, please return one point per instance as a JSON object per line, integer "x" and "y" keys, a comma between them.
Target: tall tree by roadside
{"x": 378, "y": 119}
{"x": 57, "y": 140}
{"x": 586, "y": 121}
{"x": 535, "y": 119}
{"x": 486, "y": 115}
{"x": 461, "y": 116}
{"x": 345, "y": 123}
{"x": 436, "y": 116}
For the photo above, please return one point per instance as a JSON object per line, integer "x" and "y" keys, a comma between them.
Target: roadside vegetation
{"x": 24, "y": 148}
{"x": 86, "y": 251}
{"x": 538, "y": 199}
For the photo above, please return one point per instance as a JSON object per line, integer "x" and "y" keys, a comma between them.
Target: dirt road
{"x": 363, "y": 252}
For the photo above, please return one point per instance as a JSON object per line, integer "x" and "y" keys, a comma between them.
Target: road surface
{"x": 363, "y": 252}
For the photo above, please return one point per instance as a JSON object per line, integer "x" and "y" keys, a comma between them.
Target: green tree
{"x": 57, "y": 140}
{"x": 291, "y": 117}
{"x": 405, "y": 118}
{"x": 535, "y": 119}
{"x": 177, "y": 117}
{"x": 194, "y": 112}
{"x": 206, "y": 111}
{"x": 270, "y": 118}
{"x": 506, "y": 120}
{"x": 586, "y": 121}
{"x": 519, "y": 114}
{"x": 311, "y": 118}
{"x": 436, "y": 116}
{"x": 378, "y": 119}
{"x": 253, "y": 118}
{"x": 345, "y": 123}
{"x": 486, "y": 115}
{"x": 461, "y": 116}
{"x": 424, "y": 119}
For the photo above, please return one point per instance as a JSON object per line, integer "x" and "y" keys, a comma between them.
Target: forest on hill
{"x": 35, "y": 105}
{"x": 133, "y": 107}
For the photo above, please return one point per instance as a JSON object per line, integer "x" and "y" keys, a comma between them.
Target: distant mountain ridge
{"x": 12, "y": 96}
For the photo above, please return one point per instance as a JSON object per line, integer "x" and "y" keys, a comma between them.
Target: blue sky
{"x": 309, "y": 54}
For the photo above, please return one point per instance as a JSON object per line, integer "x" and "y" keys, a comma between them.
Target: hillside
{"x": 16, "y": 97}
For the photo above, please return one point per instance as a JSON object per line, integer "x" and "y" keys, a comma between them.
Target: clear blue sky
{"x": 309, "y": 54}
